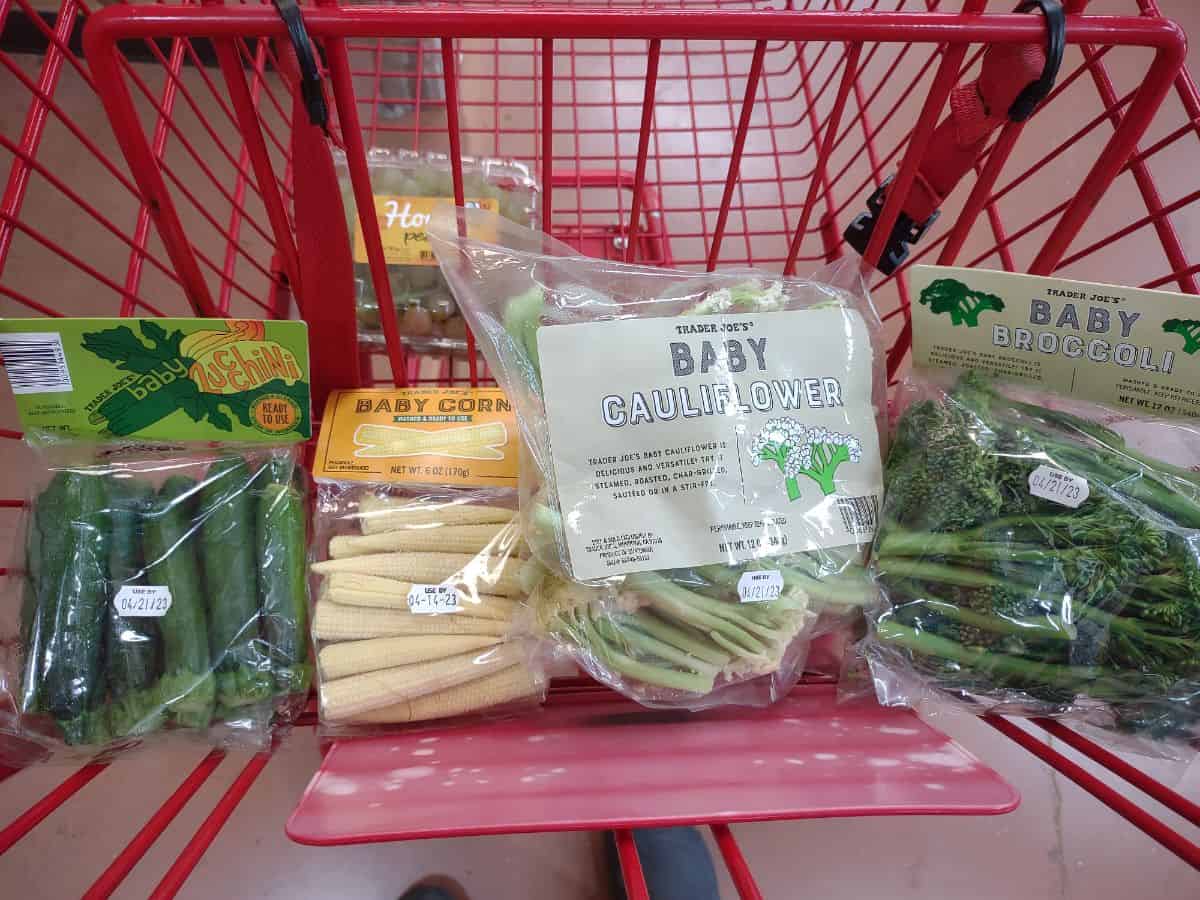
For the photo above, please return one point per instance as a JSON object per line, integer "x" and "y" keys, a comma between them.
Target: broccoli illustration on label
{"x": 1189, "y": 328}
{"x": 948, "y": 295}
{"x": 801, "y": 450}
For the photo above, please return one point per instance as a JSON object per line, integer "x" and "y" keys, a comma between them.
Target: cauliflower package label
{"x": 684, "y": 442}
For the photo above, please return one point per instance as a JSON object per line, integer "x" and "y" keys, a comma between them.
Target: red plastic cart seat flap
{"x": 809, "y": 757}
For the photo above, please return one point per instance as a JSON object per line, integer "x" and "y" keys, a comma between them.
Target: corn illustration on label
{"x": 434, "y": 435}
{"x": 402, "y": 227}
{"x": 159, "y": 379}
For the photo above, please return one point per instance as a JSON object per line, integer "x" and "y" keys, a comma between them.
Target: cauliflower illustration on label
{"x": 802, "y": 450}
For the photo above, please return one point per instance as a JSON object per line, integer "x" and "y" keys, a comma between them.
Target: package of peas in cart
{"x": 406, "y": 187}
{"x": 160, "y": 588}
{"x": 420, "y": 568}
{"x": 1039, "y": 551}
{"x": 702, "y": 470}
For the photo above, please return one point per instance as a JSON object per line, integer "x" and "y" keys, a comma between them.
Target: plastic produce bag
{"x": 160, "y": 587}
{"x": 1036, "y": 562}
{"x": 420, "y": 569}
{"x": 161, "y": 593}
{"x": 407, "y": 186}
{"x": 420, "y": 611}
{"x": 702, "y": 471}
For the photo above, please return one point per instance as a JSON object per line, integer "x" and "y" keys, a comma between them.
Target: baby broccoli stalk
{"x": 993, "y": 587}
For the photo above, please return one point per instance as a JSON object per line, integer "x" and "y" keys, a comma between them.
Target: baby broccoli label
{"x": 1130, "y": 347}
{"x": 160, "y": 379}
{"x": 716, "y": 438}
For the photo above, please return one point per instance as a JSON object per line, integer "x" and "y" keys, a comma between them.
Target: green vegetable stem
{"x": 995, "y": 590}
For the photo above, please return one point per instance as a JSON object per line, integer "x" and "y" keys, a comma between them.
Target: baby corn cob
{"x": 511, "y": 684}
{"x": 335, "y": 622}
{"x": 496, "y": 576}
{"x": 378, "y": 514}
{"x": 451, "y": 539}
{"x": 345, "y": 698}
{"x": 355, "y": 657}
{"x": 389, "y": 440}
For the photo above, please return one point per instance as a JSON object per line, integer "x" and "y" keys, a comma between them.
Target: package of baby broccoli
{"x": 702, "y": 472}
{"x": 407, "y": 186}
{"x": 1039, "y": 549}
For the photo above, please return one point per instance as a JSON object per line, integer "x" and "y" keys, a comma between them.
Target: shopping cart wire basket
{"x": 698, "y": 134}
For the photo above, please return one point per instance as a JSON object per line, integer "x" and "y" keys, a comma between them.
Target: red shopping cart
{"x": 693, "y": 134}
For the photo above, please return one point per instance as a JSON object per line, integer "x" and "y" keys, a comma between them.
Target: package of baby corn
{"x": 419, "y": 566}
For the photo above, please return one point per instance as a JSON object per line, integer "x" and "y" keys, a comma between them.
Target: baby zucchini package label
{"x": 688, "y": 441}
{"x": 1130, "y": 347}
{"x": 159, "y": 379}
{"x": 434, "y": 435}
{"x": 402, "y": 226}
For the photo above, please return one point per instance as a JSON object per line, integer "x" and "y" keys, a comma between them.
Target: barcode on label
{"x": 35, "y": 362}
{"x": 860, "y": 515}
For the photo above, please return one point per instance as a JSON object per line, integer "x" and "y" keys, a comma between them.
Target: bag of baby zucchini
{"x": 702, "y": 471}
{"x": 1040, "y": 542}
{"x": 406, "y": 187}
{"x": 421, "y": 572}
{"x": 160, "y": 587}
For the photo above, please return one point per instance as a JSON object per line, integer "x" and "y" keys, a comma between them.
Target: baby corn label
{"x": 159, "y": 379}
{"x": 1131, "y": 347}
{"x": 457, "y": 436}
{"x": 402, "y": 227}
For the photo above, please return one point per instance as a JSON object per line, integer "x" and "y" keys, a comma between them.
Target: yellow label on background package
{"x": 434, "y": 435}
{"x": 402, "y": 226}
{"x": 1131, "y": 347}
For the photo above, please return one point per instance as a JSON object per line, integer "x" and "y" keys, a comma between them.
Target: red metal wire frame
{"x": 264, "y": 171}
{"x": 179, "y": 871}
{"x": 360, "y": 179}
{"x": 817, "y": 180}
{"x": 110, "y": 879}
{"x": 71, "y": 194}
{"x": 631, "y": 866}
{"x": 1005, "y": 242}
{"x": 35, "y": 126}
{"x": 225, "y": 295}
{"x": 980, "y": 192}
{"x": 739, "y": 871}
{"x": 639, "y": 177}
{"x": 141, "y": 231}
{"x": 1167, "y": 235}
{"x": 28, "y": 302}
{"x": 454, "y": 137}
{"x": 1121, "y": 805}
{"x": 735, "y": 157}
{"x": 28, "y": 820}
{"x": 867, "y": 19}
{"x": 547, "y": 160}
{"x": 1172, "y": 800}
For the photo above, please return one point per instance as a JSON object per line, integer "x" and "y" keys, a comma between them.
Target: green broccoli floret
{"x": 941, "y": 471}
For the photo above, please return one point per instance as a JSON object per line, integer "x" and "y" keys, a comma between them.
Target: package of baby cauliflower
{"x": 702, "y": 476}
